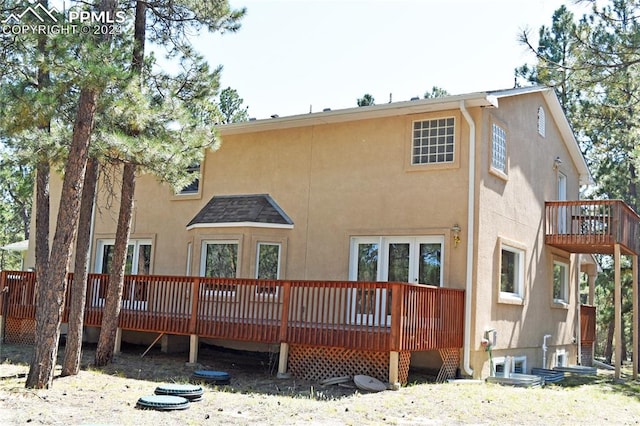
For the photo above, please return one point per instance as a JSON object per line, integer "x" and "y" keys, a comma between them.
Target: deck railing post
{"x": 195, "y": 292}
{"x": 4, "y": 290}
{"x": 284, "y": 317}
{"x": 397, "y": 299}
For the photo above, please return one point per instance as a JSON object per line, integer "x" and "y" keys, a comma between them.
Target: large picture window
{"x": 219, "y": 259}
{"x": 433, "y": 141}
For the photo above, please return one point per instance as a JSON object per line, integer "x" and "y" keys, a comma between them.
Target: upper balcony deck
{"x": 592, "y": 226}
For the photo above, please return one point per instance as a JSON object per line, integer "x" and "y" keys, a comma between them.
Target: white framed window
{"x": 402, "y": 259}
{"x": 268, "y": 261}
{"x": 391, "y": 258}
{"x": 561, "y": 358}
{"x": 498, "y": 149}
{"x": 219, "y": 259}
{"x": 192, "y": 188}
{"x": 433, "y": 141}
{"x": 268, "y": 266}
{"x": 138, "y": 262}
{"x": 560, "y": 282}
{"x": 511, "y": 272}
{"x": 515, "y": 364}
{"x": 541, "y": 122}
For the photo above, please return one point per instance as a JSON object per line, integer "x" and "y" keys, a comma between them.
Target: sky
{"x": 295, "y": 56}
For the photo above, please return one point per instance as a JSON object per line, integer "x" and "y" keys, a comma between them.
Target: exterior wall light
{"x": 456, "y": 234}
{"x": 557, "y": 163}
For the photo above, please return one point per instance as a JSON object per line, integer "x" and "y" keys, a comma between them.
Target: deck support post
{"x": 634, "y": 296}
{"x": 617, "y": 301}
{"x": 194, "y": 342}
{"x": 117, "y": 346}
{"x": 283, "y": 361}
{"x": 394, "y": 370}
{"x": 592, "y": 288}
{"x": 575, "y": 262}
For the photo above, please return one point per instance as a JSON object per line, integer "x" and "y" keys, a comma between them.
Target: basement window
{"x": 518, "y": 365}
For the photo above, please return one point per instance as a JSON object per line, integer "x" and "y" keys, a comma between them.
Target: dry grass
{"x": 108, "y": 396}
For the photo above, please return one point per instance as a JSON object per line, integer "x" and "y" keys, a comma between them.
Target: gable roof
{"x": 470, "y": 100}
{"x": 553, "y": 103}
{"x": 257, "y": 210}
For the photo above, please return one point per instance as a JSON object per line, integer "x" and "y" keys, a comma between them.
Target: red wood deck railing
{"x": 592, "y": 226}
{"x": 376, "y": 316}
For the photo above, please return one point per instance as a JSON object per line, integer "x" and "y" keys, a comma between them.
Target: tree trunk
{"x": 73, "y": 347}
{"x": 42, "y": 221}
{"x": 51, "y": 291}
{"x": 106, "y": 342}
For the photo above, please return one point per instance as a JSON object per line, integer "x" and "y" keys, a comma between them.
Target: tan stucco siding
{"x": 334, "y": 181}
{"x": 511, "y": 211}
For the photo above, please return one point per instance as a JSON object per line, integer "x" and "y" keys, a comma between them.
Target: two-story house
{"x": 446, "y": 194}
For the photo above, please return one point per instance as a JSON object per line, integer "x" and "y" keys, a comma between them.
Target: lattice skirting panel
{"x": 20, "y": 330}
{"x": 319, "y": 363}
{"x": 450, "y": 363}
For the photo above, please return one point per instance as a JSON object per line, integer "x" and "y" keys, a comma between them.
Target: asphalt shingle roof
{"x": 258, "y": 208}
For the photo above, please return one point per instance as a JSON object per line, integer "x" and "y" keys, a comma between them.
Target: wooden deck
{"x": 588, "y": 226}
{"x": 372, "y": 316}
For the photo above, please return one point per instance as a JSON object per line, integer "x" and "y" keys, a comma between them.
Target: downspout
{"x": 576, "y": 283}
{"x": 466, "y": 349}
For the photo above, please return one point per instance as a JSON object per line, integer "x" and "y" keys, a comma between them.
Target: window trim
{"x": 518, "y": 296}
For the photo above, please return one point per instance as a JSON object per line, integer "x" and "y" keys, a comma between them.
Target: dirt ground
{"x": 249, "y": 371}
{"x": 256, "y": 397}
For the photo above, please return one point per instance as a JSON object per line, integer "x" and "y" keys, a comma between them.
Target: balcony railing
{"x": 592, "y": 226}
{"x": 376, "y": 316}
